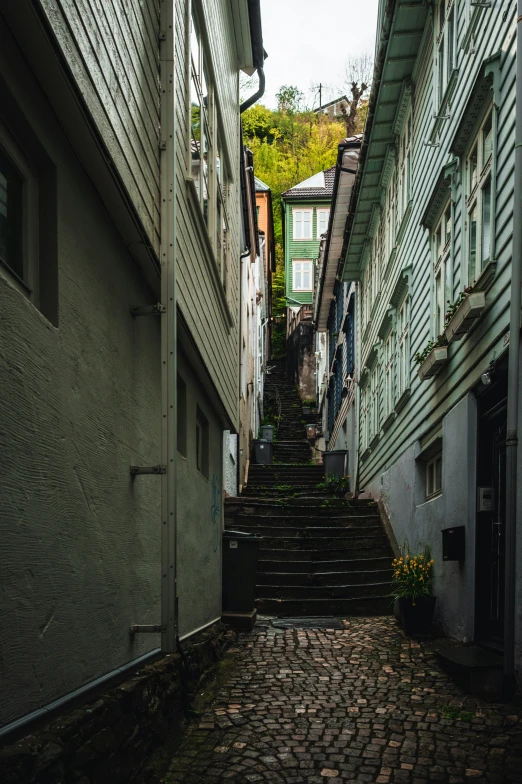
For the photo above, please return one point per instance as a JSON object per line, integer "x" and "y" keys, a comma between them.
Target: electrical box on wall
{"x": 454, "y": 543}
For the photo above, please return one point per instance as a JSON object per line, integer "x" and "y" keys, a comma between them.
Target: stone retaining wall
{"x": 110, "y": 739}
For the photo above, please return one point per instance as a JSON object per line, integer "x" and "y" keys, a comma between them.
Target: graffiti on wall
{"x": 215, "y": 511}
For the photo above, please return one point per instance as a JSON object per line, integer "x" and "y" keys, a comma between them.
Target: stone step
{"x": 340, "y": 552}
{"x": 307, "y": 491}
{"x": 312, "y": 566}
{"x": 313, "y": 531}
{"x": 259, "y": 523}
{"x": 375, "y": 605}
{"x": 323, "y": 592}
{"x": 345, "y": 541}
{"x": 297, "y": 507}
{"x": 323, "y": 578}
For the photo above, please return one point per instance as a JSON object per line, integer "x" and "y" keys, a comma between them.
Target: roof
{"x": 332, "y": 103}
{"x": 319, "y": 186}
{"x": 400, "y": 33}
{"x": 260, "y": 185}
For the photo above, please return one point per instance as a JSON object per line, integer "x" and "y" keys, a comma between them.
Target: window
{"x": 479, "y": 204}
{"x": 302, "y": 275}
{"x": 322, "y": 222}
{"x": 388, "y": 374}
{"x": 182, "y": 416}
{"x": 202, "y": 443}
{"x": 374, "y": 422}
{"x": 403, "y": 347}
{"x": 441, "y": 243}
{"x": 207, "y": 161}
{"x": 302, "y": 224}
{"x": 404, "y": 169}
{"x": 18, "y": 219}
{"x": 434, "y": 476}
{"x": 445, "y": 44}
{"x": 364, "y": 419}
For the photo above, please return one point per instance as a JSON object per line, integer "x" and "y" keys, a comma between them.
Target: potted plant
{"x": 337, "y": 485}
{"x": 432, "y": 357}
{"x": 463, "y": 313}
{"x": 412, "y": 583}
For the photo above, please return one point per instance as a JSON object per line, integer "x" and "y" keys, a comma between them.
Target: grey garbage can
{"x": 267, "y": 432}
{"x": 334, "y": 462}
{"x": 262, "y": 451}
{"x": 240, "y": 552}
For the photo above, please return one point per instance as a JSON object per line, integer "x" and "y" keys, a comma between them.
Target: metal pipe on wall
{"x": 513, "y": 388}
{"x": 169, "y": 620}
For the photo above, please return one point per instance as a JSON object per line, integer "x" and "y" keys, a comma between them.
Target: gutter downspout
{"x": 259, "y": 54}
{"x": 513, "y": 388}
{"x": 169, "y": 619}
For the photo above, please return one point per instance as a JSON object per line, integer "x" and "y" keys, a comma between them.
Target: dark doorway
{"x": 491, "y": 512}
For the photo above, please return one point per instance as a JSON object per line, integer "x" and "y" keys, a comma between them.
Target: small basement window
{"x": 434, "y": 476}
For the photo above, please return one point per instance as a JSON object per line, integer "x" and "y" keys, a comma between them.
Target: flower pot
{"x": 417, "y": 617}
{"x": 435, "y": 360}
{"x": 465, "y": 315}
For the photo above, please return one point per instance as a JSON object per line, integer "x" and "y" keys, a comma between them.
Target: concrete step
{"x": 340, "y": 552}
{"x": 297, "y": 507}
{"x": 374, "y": 605}
{"x": 323, "y": 592}
{"x": 345, "y": 541}
{"x": 316, "y": 531}
{"x": 261, "y": 524}
{"x": 363, "y": 576}
{"x": 311, "y": 567}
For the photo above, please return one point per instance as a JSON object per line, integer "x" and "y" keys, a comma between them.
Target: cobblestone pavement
{"x": 365, "y": 704}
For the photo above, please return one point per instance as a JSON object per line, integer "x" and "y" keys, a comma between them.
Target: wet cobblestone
{"x": 365, "y": 704}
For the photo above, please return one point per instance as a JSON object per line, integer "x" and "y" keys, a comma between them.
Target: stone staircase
{"x": 283, "y": 401}
{"x": 319, "y": 555}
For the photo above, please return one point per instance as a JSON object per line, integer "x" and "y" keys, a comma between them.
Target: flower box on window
{"x": 462, "y": 319}
{"x": 435, "y": 360}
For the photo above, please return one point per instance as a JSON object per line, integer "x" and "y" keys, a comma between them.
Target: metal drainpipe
{"x": 513, "y": 376}
{"x": 169, "y": 618}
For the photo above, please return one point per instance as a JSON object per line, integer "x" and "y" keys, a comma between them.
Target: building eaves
{"x": 401, "y": 27}
{"x": 297, "y": 193}
{"x": 260, "y": 185}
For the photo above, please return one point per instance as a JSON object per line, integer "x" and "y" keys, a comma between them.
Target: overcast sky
{"x": 308, "y": 42}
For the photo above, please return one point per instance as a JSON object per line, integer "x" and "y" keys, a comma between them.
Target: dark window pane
{"x": 11, "y": 216}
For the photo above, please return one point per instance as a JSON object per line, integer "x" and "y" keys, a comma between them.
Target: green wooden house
{"x": 306, "y": 211}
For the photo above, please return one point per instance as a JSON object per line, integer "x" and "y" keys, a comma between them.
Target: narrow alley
{"x": 357, "y": 703}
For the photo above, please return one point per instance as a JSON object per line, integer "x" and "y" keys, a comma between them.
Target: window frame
{"x": 28, "y": 285}
{"x": 308, "y": 210}
{"x": 311, "y": 267}
{"x": 216, "y": 212}
{"x": 388, "y": 357}
{"x": 431, "y": 466}
{"x": 325, "y": 210}
{"x": 442, "y": 265}
{"x": 403, "y": 373}
{"x": 445, "y": 49}
{"x": 478, "y": 177}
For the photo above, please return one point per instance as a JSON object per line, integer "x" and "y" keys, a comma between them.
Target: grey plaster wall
{"x": 230, "y": 456}
{"x": 200, "y": 516}
{"x": 80, "y": 404}
{"x": 300, "y": 359}
{"x": 419, "y": 522}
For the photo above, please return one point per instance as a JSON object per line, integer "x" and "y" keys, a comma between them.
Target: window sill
{"x": 401, "y": 402}
{"x": 466, "y": 315}
{"x": 388, "y": 422}
{"x": 366, "y": 454}
{"x": 209, "y": 256}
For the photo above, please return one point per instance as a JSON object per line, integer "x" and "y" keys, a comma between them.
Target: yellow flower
{"x": 421, "y": 557}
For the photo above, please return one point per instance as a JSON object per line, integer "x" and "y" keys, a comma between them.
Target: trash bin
{"x": 267, "y": 432}
{"x": 262, "y": 451}
{"x": 239, "y": 571}
{"x": 334, "y": 462}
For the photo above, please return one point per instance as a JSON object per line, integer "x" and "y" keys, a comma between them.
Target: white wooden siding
{"x": 430, "y": 400}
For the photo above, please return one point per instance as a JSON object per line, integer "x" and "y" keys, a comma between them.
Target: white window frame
{"x": 403, "y": 347}
{"x": 325, "y": 211}
{"x": 374, "y": 402}
{"x": 441, "y": 250}
{"x": 212, "y": 182}
{"x": 433, "y": 483}
{"x": 478, "y": 176}
{"x": 364, "y": 419}
{"x": 28, "y": 283}
{"x": 445, "y": 47}
{"x": 310, "y": 264}
{"x": 389, "y": 355}
{"x": 302, "y": 210}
